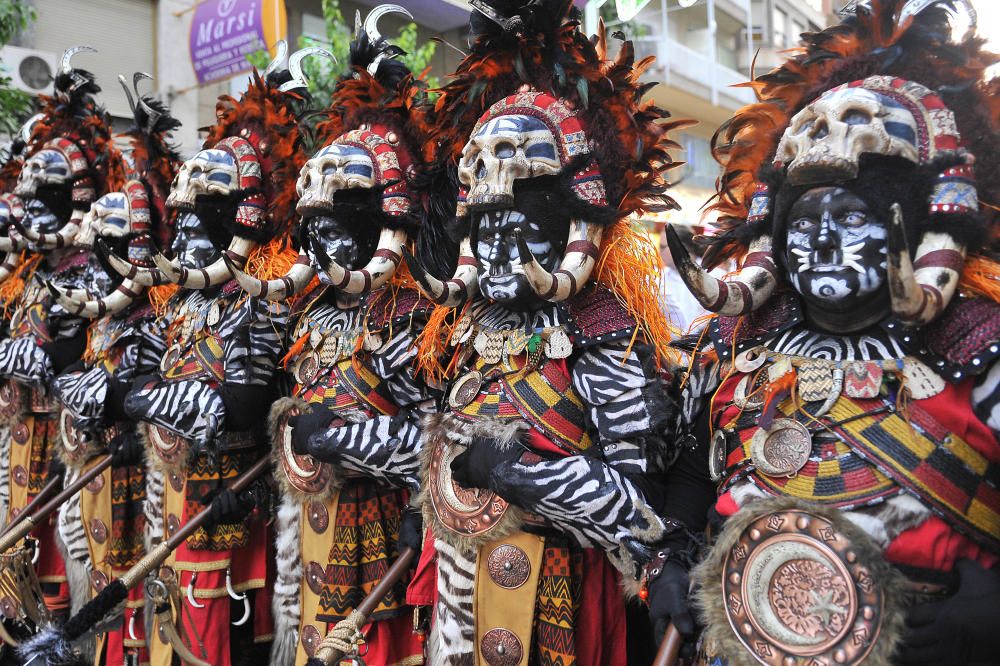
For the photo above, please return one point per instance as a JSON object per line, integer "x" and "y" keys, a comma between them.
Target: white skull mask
{"x": 825, "y": 141}
{"x": 108, "y": 217}
{"x": 503, "y": 150}
{"x": 46, "y": 167}
{"x": 334, "y": 168}
{"x": 209, "y": 173}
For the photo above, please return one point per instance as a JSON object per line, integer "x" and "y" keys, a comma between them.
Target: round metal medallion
{"x": 170, "y": 447}
{"x": 20, "y": 433}
{"x": 176, "y": 482}
{"x": 98, "y": 579}
{"x": 509, "y": 566}
{"x": 465, "y": 389}
{"x": 173, "y": 524}
{"x": 469, "y": 512}
{"x": 319, "y": 517}
{"x": 307, "y": 368}
{"x": 718, "y": 451}
{"x": 501, "y": 647}
{"x": 96, "y": 485}
{"x": 8, "y": 608}
{"x": 20, "y": 475}
{"x": 749, "y": 392}
{"x": 10, "y": 399}
{"x": 75, "y": 449}
{"x": 310, "y": 639}
{"x": 783, "y": 450}
{"x": 315, "y": 576}
{"x": 98, "y": 530}
{"x": 303, "y": 472}
{"x": 171, "y": 358}
{"x": 795, "y": 587}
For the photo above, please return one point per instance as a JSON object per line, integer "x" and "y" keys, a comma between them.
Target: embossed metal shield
{"x": 467, "y": 512}
{"x": 11, "y": 399}
{"x": 303, "y": 472}
{"x": 170, "y": 447}
{"x": 795, "y": 587}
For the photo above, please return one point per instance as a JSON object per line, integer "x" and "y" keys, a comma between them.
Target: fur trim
{"x": 275, "y": 436}
{"x": 448, "y": 430}
{"x": 285, "y": 602}
{"x": 719, "y": 637}
{"x": 155, "y": 463}
{"x": 77, "y": 573}
{"x": 4, "y": 474}
{"x": 50, "y": 648}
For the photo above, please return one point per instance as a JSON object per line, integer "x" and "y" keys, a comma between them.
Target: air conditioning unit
{"x": 30, "y": 70}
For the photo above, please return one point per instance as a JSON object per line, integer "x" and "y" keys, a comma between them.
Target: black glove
{"x": 668, "y": 601}
{"x": 228, "y": 507}
{"x": 963, "y": 629}
{"x": 128, "y": 451}
{"x": 317, "y": 418}
{"x": 411, "y": 529}
{"x": 472, "y": 467}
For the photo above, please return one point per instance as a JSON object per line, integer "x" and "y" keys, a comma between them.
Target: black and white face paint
{"x": 40, "y": 218}
{"x": 329, "y": 240}
{"x": 501, "y": 277}
{"x": 836, "y": 256}
{"x": 191, "y": 244}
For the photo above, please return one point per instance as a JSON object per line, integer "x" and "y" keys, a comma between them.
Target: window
{"x": 778, "y": 28}
{"x": 700, "y": 168}
{"x": 797, "y": 30}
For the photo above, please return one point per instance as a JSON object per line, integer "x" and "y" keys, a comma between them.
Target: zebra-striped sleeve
{"x": 253, "y": 341}
{"x": 986, "y": 397}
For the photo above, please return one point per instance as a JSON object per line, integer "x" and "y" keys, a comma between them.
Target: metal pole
{"x": 749, "y": 40}
{"x": 713, "y": 49}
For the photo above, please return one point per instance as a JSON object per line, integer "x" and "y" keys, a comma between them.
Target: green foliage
{"x": 15, "y": 105}
{"x": 322, "y": 74}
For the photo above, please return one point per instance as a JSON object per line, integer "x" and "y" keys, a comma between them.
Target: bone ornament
{"x": 921, "y": 289}
{"x": 141, "y": 275}
{"x": 451, "y": 293}
{"x": 123, "y": 296}
{"x": 750, "y": 289}
{"x": 577, "y": 264}
{"x": 214, "y": 274}
{"x": 278, "y": 289}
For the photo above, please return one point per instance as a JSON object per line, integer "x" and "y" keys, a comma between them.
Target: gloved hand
{"x": 668, "y": 601}
{"x": 411, "y": 529}
{"x": 228, "y": 507}
{"x": 472, "y": 467}
{"x": 964, "y": 629}
{"x": 318, "y": 417}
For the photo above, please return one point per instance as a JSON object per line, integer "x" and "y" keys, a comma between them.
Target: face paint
{"x": 39, "y": 217}
{"x": 836, "y": 253}
{"x": 501, "y": 277}
{"x": 192, "y": 244}
{"x": 329, "y": 239}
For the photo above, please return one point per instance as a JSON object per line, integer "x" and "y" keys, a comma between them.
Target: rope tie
{"x": 345, "y": 636}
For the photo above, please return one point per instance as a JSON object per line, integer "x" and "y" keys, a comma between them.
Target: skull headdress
{"x": 535, "y": 99}
{"x": 132, "y": 219}
{"x": 69, "y": 155}
{"x": 879, "y": 104}
{"x": 366, "y": 173}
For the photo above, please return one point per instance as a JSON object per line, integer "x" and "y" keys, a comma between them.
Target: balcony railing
{"x": 683, "y": 67}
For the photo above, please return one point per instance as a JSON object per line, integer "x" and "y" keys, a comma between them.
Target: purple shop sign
{"x": 225, "y": 32}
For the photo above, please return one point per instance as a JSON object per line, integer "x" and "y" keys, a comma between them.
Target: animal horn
{"x": 279, "y": 289}
{"x": 128, "y": 93}
{"x": 295, "y": 67}
{"x": 920, "y": 290}
{"x": 123, "y": 296}
{"x": 65, "y": 67}
{"x": 374, "y": 36}
{"x": 577, "y": 264}
{"x": 214, "y": 274}
{"x": 280, "y": 57}
{"x": 141, "y": 275}
{"x": 378, "y": 270}
{"x": 746, "y": 292}
{"x": 50, "y": 241}
{"x": 455, "y": 291}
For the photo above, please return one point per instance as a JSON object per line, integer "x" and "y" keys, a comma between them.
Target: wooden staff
{"x": 27, "y": 520}
{"x": 328, "y": 655}
{"x": 670, "y": 647}
{"x": 51, "y": 486}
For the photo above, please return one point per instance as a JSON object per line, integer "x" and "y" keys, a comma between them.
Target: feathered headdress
{"x": 533, "y": 58}
{"x": 903, "y": 52}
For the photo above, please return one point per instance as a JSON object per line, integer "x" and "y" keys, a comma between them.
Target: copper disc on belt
{"x": 783, "y": 449}
{"x": 509, "y": 566}
{"x": 466, "y": 511}
{"x": 10, "y": 399}
{"x": 501, "y": 647}
{"x": 796, "y": 590}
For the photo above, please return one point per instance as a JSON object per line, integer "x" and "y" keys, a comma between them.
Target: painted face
{"x": 39, "y": 217}
{"x": 836, "y": 253}
{"x": 329, "y": 239}
{"x": 192, "y": 244}
{"x": 501, "y": 276}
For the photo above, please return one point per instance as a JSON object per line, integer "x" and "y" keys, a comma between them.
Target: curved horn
{"x": 574, "y": 270}
{"x": 371, "y": 21}
{"x": 141, "y": 275}
{"x": 49, "y": 241}
{"x": 123, "y": 296}
{"x": 920, "y": 290}
{"x": 378, "y": 270}
{"x": 295, "y": 67}
{"x": 128, "y": 93}
{"x": 9, "y": 265}
{"x": 455, "y": 291}
{"x": 152, "y": 115}
{"x": 961, "y": 9}
{"x": 214, "y": 274}
{"x": 280, "y": 56}
{"x": 746, "y": 292}
{"x": 9, "y": 245}
{"x": 279, "y": 289}
{"x": 64, "y": 65}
